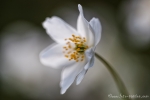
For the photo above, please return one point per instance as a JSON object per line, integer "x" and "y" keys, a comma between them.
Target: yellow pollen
{"x": 79, "y": 45}
{"x": 69, "y": 52}
{"x": 73, "y": 35}
{"x": 69, "y": 46}
{"x": 66, "y": 56}
{"x": 68, "y": 43}
{"x": 76, "y": 46}
{"x": 82, "y": 56}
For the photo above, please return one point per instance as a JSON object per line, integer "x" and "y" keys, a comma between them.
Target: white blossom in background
{"x": 73, "y": 50}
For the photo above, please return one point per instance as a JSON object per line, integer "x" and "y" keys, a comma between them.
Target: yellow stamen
{"x": 76, "y": 53}
{"x": 82, "y": 56}
{"x": 66, "y": 56}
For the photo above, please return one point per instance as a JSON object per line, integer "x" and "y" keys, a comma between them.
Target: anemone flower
{"x": 73, "y": 50}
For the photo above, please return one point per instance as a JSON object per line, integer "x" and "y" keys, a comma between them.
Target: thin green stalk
{"x": 120, "y": 85}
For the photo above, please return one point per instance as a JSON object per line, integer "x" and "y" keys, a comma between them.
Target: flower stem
{"x": 121, "y": 87}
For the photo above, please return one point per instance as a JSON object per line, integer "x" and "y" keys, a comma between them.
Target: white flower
{"x": 73, "y": 50}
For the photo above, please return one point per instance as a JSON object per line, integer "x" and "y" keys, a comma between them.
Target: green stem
{"x": 121, "y": 87}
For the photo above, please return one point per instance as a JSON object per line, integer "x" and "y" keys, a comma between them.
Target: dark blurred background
{"x": 125, "y": 43}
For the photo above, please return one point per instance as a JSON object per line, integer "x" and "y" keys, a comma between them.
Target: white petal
{"x": 58, "y": 29}
{"x": 89, "y": 54}
{"x": 69, "y": 74}
{"x": 97, "y": 28}
{"x": 53, "y": 56}
{"x": 81, "y": 76}
{"x": 83, "y": 27}
{"x": 83, "y": 72}
{"x": 90, "y": 63}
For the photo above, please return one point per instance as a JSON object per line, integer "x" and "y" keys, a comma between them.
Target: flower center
{"x": 74, "y": 48}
